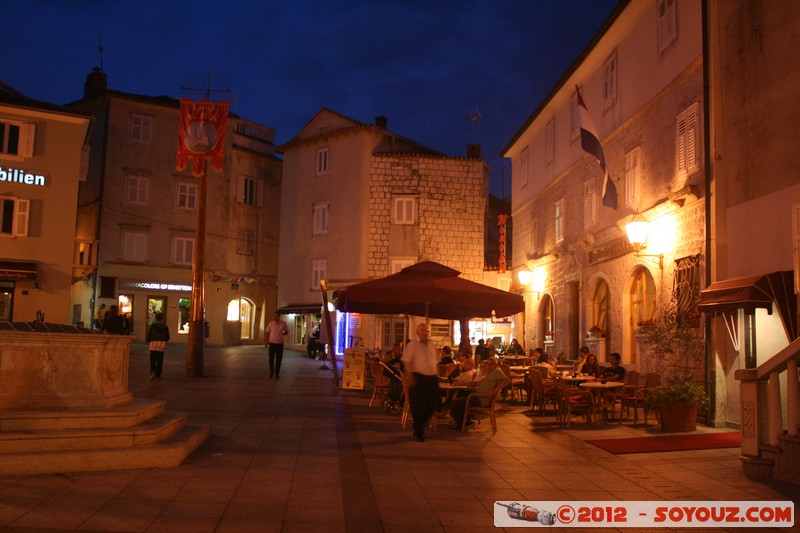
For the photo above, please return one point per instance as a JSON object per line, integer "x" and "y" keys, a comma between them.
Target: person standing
{"x": 157, "y": 338}
{"x": 112, "y": 321}
{"x": 420, "y": 366}
{"x": 99, "y": 315}
{"x": 274, "y": 333}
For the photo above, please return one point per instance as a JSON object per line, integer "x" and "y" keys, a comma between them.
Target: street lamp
{"x": 525, "y": 276}
{"x": 638, "y": 228}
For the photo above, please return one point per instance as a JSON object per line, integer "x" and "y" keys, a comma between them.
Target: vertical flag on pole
{"x": 201, "y": 135}
{"x": 590, "y": 142}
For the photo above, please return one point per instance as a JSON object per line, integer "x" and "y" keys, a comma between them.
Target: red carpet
{"x": 670, "y": 443}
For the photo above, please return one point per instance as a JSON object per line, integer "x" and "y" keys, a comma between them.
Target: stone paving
{"x": 295, "y": 454}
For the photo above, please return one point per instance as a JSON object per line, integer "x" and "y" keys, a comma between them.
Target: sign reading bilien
{"x": 15, "y": 175}
{"x": 619, "y": 514}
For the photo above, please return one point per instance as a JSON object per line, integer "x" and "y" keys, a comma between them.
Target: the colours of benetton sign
{"x": 15, "y": 175}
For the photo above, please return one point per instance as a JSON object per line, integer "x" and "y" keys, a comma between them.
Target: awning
{"x": 300, "y": 309}
{"x": 753, "y": 292}
{"x": 17, "y": 270}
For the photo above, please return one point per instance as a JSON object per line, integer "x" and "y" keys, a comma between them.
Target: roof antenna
{"x": 100, "y": 49}
{"x": 208, "y": 90}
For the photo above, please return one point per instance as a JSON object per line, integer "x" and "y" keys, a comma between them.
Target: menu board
{"x": 354, "y": 368}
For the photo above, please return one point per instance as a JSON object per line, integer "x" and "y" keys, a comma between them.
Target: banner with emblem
{"x": 201, "y": 135}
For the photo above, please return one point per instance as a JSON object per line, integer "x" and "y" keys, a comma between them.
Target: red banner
{"x": 201, "y": 135}
{"x": 501, "y": 222}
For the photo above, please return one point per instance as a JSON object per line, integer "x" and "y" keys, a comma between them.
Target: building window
{"x": 589, "y": 203}
{"x": 404, "y": 210}
{"x": 319, "y": 224}
{"x": 610, "y": 80}
{"x": 16, "y": 138}
{"x": 524, "y": 167}
{"x": 319, "y": 269}
{"x": 396, "y": 264}
{"x": 136, "y": 190}
{"x": 187, "y": 195}
{"x": 686, "y": 137}
{"x": 667, "y": 24}
{"x": 14, "y": 215}
{"x": 574, "y": 123}
{"x": 550, "y": 142}
{"x": 134, "y": 246}
{"x": 559, "y": 221}
{"x": 141, "y": 128}
{"x": 633, "y": 175}
{"x": 322, "y": 161}
{"x": 246, "y": 243}
{"x": 249, "y": 191}
{"x": 182, "y": 250}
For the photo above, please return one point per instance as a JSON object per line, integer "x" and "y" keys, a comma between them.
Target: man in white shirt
{"x": 420, "y": 367}
{"x": 274, "y": 333}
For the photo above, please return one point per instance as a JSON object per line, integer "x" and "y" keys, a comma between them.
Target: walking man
{"x": 420, "y": 366}
{"x": 274, "y": 333}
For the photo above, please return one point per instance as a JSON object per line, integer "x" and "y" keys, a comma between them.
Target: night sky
{"x": 426, "y": 65}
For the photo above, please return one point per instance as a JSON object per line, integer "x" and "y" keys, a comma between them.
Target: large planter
{"x": 678, "y": 418}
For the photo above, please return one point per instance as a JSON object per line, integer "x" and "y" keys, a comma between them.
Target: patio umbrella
{"x": 431, "y": 290}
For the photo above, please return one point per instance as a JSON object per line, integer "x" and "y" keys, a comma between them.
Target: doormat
{"x": 670, "y": 443}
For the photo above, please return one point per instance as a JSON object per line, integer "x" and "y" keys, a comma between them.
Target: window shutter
{"x": 632, "y": 176}
{"x": 21, "y": 217}
{"x": 240, "y": 189}
{"x": 27, "y": 133}
{"x": 589, "y": 204}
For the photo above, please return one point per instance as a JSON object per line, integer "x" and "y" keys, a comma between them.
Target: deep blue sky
{"x": 426, "y": 65}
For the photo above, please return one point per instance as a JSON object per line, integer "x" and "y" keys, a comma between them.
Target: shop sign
{"x": 15, "y": 175}
{"x": 125, "y": 284}
{"x": 609, "y": 250}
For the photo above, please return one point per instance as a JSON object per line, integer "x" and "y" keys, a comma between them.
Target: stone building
{"x": 143, "y": 212}
{"x": 369, "y": 202}
{"x": 42, "y": 151}
{"x": 641, "y": 78}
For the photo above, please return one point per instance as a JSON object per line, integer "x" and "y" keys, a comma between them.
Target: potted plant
{"x": 548, "y": 336}
{"x": 595, "y": 331}
{"x": 642, "y": 325}
{"x": 679, "y": 352}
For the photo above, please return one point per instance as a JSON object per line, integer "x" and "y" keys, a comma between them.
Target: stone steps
{"x": 168, "y": 453}
{"x": 140, "y": 434}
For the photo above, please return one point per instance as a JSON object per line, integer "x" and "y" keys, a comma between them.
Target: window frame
{"x": 186, "y": 199}
{"x": 633, "y": 175}
{"x": 320, "y": 213}
{"x": 140, "y": 128}
{"x": 181, "y": 247}
{"x": 142, "y": 188}
{"x": 687, "y": 141}
{"x": 25, "y": 135}
{"x": 558, "y": 221}
{"x": 246, "y": 242}
{"x": 396, "y": 264}
{"x": 19, "y": 217}
{"x": 323, "y": 161}
{"x": 524, "y": 167}
{"x": 319, "y": 271}
{"x": 610, "y": 77}
{"x": 550, "y": 142}
{"x": 667, "y": 24}
{"x": 400, "y": 214}
{"x": 590, "y": 203}
{"x": 138, "y": 235}
{"x": 249, "y": 191}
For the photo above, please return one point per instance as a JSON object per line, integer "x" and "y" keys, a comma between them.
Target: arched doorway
{"x": 547, "y": 315}
{"x": 598, "y": 318}
{"x": 242, "y": 310}
{"x": 641, "y": 306}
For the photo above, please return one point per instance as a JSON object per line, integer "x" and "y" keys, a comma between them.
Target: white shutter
{"x": 632, "y": 175}
{"x": 21, "y": 216}
{"x": 27, "y": 133}
{"x": 686, "y": 136}
{"x": 589, "y": 203}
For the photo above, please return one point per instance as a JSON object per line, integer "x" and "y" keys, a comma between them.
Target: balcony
{"x": 84, "y": 258}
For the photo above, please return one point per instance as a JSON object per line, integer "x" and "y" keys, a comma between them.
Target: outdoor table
{"x": 580, "y": 378}
{"x": 599, "y": 388}
{"x": 451, "y": 389}
{"x": 520, "y": 369}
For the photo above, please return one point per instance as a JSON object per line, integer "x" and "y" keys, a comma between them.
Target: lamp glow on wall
{"x": 535, "y": 280}
{"x": 638, "y": 229}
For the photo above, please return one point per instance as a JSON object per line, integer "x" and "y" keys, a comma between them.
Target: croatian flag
{"x": 590, "y": 142}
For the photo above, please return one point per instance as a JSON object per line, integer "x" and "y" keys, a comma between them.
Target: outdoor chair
{"x": 405, "y": 415}
{"x": 480, "y": 411}
{"x": 517, "y": 382}
{"x": 634, "y": 397}
{"x": 380, "y": 383}
{"x": 446, "y": 370}
{"x": 573, "y": 403}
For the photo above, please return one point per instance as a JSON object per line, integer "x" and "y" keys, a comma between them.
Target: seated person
{"x": 615, "y": 372}
{"x": 493, "y": 382}
{"x": 447, "y": 356}
{"x": 545, "y": 360}
{"x": 515, "y": 348}
{"x": 590, "y": 365}
{"x": 582, "y": 355}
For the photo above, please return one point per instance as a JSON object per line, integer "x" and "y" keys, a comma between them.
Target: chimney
{"x": 474, "y": 150}
{"x": 95, "y": 84}
{"x": 382, "y": 122}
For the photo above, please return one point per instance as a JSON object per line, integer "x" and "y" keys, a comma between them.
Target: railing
{"x": 254, "y": 131}
{"x": 761, "y": 400}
